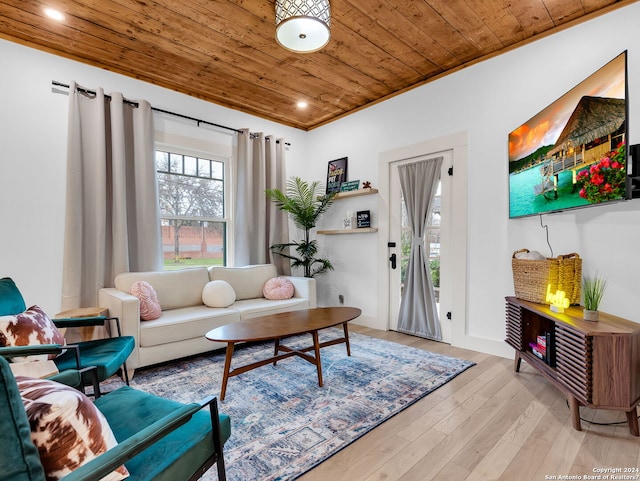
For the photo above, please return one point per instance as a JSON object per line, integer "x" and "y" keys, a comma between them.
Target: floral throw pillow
{"x": 29, "y": 328}
{"x": 66, "y": 427}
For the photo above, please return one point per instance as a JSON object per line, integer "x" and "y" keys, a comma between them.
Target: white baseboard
{"x": 370, "y": 322}
{"x": 488, "y": 346}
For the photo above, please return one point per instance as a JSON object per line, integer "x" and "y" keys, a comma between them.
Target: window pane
{"x": 162, "y": 161}
{"x": 190, "y": 165}
{"x": 175, "y": 165}
{"x": 204, "y": 168}
{"x": 217, "y": 170}
{"x": 191, "y": 243}
{"x": 190, "y": 196}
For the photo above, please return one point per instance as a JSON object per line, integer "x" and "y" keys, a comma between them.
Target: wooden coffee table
{"x": 278, "y": 326}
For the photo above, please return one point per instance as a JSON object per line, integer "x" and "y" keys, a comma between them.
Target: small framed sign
{"x": 363, "y": 218}
{"x": 350, "y": 185}
{"x": 336, "y": 174}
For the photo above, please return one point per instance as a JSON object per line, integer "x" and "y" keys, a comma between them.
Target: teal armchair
{"x": 107, "y": 355}
{"x": 158, "y": 439}
{"x": 75, "y": 377}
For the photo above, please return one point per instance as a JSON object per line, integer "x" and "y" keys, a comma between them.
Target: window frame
{"x": 227, "y": 218}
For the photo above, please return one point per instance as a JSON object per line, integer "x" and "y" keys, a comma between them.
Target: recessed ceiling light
{"x": 302, "y": 104}
{"x": 54, "y": 14}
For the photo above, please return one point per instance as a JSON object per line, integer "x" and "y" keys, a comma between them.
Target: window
{"x": 192, "y": 210}
{"x": 431, "y": 242}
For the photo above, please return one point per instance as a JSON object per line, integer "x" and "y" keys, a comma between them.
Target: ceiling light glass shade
{"x": 303, "y": 25}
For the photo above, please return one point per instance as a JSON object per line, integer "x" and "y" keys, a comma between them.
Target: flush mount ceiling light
{"x": 302, "y": 26}
{"x": 54, "y": 14}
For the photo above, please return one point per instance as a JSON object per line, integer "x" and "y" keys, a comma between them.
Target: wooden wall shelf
{"x": 362, "y": 230}
{"x": 354, "y": 193}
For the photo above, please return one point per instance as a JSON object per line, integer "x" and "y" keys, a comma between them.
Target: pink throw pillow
{"x": 149, "y": 305}
{"x": 278, "y": 288}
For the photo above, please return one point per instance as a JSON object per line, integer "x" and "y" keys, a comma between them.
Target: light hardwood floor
{"x": 489, "y": 423}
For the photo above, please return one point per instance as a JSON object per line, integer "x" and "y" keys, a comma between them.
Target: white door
{"x": 435, "y": 241}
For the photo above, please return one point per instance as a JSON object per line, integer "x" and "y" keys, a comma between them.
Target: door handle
{"x": 392, "y": 259}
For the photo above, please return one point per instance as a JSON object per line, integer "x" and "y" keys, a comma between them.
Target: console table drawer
{"x": 514, "y": 327}
{"x": 574, "y": 353}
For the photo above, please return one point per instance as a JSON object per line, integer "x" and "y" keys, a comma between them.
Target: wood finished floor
{"x": 489, "y": 423}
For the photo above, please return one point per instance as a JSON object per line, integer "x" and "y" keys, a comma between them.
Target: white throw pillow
{"x": 218, "y": 294}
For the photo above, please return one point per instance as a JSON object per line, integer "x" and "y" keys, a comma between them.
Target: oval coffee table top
{"x": 283, "y": 324}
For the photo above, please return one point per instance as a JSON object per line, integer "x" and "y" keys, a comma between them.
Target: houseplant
{"x": 592, "y": 289}
{"x": 305, "y": 203}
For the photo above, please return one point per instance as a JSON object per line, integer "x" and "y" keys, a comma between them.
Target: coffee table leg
{"x": 276, "y": 349}
{"x": 227, "y": 370}
{"x": 345, "y": 328}
{"x": 316, "y": 348}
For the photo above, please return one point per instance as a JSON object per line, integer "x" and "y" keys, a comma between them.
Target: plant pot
{"x": 590, "y": 315}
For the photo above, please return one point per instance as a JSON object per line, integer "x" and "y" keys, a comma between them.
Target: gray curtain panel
{"x": 418, "y": 314}
{"x": 112, "y": 222}
{"x": 258, "y": 224}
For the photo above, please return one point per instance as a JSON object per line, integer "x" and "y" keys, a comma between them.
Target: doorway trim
{"x": 457, "y": 143}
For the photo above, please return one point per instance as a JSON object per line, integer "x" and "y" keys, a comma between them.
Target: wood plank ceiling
{"x": 224, "y": 51}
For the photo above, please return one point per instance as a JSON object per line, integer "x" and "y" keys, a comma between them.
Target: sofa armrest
{"x": 126, "y": 308}
{"x": 305, "y": 287}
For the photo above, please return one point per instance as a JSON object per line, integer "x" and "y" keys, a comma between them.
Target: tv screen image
{"x": 573, "y": 153}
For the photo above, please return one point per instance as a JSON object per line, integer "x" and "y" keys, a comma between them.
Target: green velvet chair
{"x": 75, "y": 377}
{"x": 158, "y": 439}
{"x": 107, "y": 355}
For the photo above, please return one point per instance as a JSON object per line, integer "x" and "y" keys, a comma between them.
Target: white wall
{"x": 33, "y": 133}
{"x": 487, "y": 101}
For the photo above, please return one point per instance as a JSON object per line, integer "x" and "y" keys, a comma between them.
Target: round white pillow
{"x": 218, "y": 294}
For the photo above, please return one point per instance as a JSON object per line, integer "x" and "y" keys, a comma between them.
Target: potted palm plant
{"x": 305, "y": 203}
{"x": 592, "y": 289}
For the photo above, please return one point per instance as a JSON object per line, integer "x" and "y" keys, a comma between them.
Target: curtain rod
{"x": 155, "y": 109}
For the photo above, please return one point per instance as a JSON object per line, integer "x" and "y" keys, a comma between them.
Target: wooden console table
{"x": 595, "y": 364}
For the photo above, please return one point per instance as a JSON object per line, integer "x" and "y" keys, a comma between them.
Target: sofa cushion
{"x": 248, "y": 281}
{"x": 149, "y": 305}
{"x": 66, "y": 427}
{"x": 182, "y": 324}
{"x": 29, "y": 328}
{"x": 175, "y": 289}
{"x": 250, "y": 308}
{"x": 218, "y": 294}
{"x": 11, "y": 301}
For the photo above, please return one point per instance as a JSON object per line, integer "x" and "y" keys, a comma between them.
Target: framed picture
{"x": 336, "y": 174}
{"x": 350, "y": 185}
{"x": 363, "y": 218}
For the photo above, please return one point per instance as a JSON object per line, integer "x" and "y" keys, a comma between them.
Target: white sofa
{"x": 180, "y": 329}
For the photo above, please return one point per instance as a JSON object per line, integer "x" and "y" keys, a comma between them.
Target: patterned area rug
{"x": 283, "y": 423}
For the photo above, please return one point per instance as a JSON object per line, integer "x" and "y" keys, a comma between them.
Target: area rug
{"x": 283, "y": 423}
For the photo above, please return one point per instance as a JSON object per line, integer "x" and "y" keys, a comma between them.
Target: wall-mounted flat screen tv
{"x": 573, "y": 153}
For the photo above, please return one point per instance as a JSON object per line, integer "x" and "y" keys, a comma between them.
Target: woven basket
{"x": 532, "y": 278}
